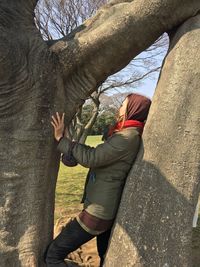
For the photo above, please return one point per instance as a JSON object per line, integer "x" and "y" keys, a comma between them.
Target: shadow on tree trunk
{"x": 158, "y": 230}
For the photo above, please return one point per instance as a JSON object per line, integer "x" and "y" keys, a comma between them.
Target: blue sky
{"x": 147, "y": 88}
{"x": 150, "y": 59}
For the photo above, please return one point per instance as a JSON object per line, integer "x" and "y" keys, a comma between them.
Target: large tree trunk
{"x": 35, "y": 82}
{"x": 29, "y": 83}
{"x": 163, "y": 186}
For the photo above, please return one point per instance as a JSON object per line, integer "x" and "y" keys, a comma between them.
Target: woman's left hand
{"x": 59, "y": 126}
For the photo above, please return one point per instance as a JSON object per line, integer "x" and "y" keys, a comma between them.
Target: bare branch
{"x": 58, "y": 17}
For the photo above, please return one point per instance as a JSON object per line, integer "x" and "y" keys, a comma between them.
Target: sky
{"x": 150, "y": 59}
{"x": 146, "y": 86}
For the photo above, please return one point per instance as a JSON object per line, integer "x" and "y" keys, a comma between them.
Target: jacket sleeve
{"x": 104, "y": 154}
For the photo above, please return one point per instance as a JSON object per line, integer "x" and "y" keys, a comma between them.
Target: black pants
{"x": 102, "y": 244}
{"x": 71, "y": 238}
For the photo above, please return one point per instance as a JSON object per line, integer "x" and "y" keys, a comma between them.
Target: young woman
{"x": 109, "y": 165}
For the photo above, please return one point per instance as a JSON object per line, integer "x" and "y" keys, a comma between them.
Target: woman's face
{"x": 122, "y": 109}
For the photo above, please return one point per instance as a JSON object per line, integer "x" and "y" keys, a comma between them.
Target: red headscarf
{"x": 137, "y": 111}
{"x": 138, "y": 107}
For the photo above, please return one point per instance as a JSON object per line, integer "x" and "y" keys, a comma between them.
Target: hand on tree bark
{"x": 59, "y": 126}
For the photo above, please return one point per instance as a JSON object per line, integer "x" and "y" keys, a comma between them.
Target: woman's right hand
{"x": 58, "y": 124}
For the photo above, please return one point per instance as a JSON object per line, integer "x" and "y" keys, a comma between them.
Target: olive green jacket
{"x": 109, "y": 165}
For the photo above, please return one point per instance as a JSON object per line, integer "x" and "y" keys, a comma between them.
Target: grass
{"x": 70, "y": 185}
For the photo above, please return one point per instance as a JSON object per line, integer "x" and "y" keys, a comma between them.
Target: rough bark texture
{"x": 162, "y": 189}
{"x": 29, "y": 83}
{"x": 36, "y": 81}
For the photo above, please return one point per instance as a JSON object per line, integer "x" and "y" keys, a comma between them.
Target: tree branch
{"x": 131, "y": 80}
{"x": 113, "y": 22}
{"x": 107, "y": 42}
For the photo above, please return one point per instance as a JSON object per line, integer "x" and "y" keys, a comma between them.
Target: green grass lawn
{"x": 70, "y": 185}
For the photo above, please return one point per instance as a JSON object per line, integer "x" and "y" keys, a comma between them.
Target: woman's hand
{"x": 59, "y": 126}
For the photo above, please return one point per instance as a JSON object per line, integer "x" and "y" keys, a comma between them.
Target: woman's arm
{"x": 104, "y": 154}
{"x": 115, "y": 148}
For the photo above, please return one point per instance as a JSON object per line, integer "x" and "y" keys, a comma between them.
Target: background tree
{"x": 38, "y": 78}
{"x": 57, "y": 18}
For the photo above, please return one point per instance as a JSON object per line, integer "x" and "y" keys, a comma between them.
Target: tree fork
{"x": 36, "y": 81}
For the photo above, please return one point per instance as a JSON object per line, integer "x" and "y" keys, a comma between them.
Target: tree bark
{"x": 36, "y": 81}
{"x": 30, "y": 90}
{"x": 163, "y": 186}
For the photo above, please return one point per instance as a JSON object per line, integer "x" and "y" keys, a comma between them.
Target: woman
{"x": 109, "y": 165}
